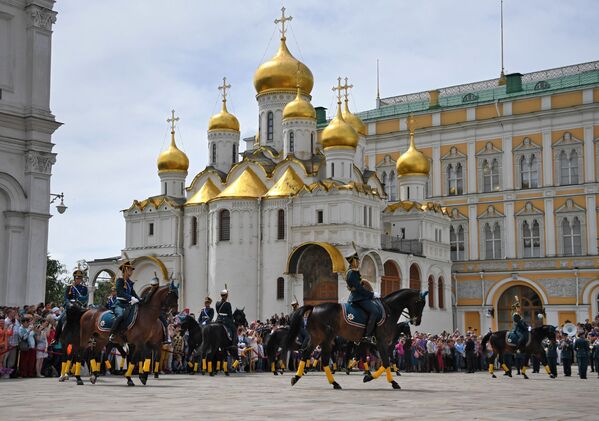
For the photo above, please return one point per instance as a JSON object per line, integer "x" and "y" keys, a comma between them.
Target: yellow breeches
{"x": 351, "y": 364}
{"x": 366, "y": 367}
{"x": 63, "y": 368}
{"x": 203, "y": 364}
{"x": 335, "y": 366}
{"x": 218, "y": 366}
{"x": 273, "y": 368}
{"x": 195, "y": 367}
{"x": 378, "y": 373}
{"x": 147, "y": 365}
{"x": 523, "y": 369}
{"x": 300, "y": 368}
{"x": 140, "y": 366}
{"x": 92, "y": 366}
{"x": 282, "y": 364}
{"x": 327, "y": 371}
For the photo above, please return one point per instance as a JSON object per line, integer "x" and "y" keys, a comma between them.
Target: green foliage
{"x": 55, "y": 281}
{"x": 102, "y": 292}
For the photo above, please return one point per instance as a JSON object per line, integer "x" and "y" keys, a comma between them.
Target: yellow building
{"x": 516, "y": 166}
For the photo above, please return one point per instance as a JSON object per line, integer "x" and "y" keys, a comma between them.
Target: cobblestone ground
{"x": 264, "y": 396}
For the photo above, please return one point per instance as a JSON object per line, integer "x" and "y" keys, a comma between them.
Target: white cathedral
{"x": 278, "y": 223}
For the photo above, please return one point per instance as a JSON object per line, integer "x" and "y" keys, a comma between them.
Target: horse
{"x": 215, "y": 339}
{"x": 141, "y": 335}
{"x": 533, "y": 346}
{"x": 69, "y": 339}
{"x": 276, "y": 349}
{"x": 325, "y": 321}
{"x": 194, "y": 341}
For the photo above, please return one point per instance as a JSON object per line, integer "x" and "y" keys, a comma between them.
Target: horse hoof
{"x": 397, "y": 373}
{"x": 143, "y": 378}
{"x": 367, "y": 378}
{"x": 156, "y": 376}
{"x": 79, "y": 382}
{"x": 525, "y": 376}
{"x": 395, "y": 385}
{"x": 92, "y": 379}
{"x": 367, "y": 373}
{"x": 62, "y": 379}
{"x": 130, "y": 382}
{"x": 211, "y": 374}
{"x": 336, "y": 386}
{"x": 347, "y": 371}
{"x": 551, "y": 376}
{"x": 294, "y": 380}
{"x": 493, "y": 376}
{"x": 275, "y": 373}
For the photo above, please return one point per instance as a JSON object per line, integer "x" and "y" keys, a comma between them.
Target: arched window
{"x": 431, "y": 292}
{"x": 312, "y": 143}
{"x": 456, "y": 242}
{"x": 572, "y": 237}
{"x": 568, "y": 168}
{"x": 224, "y": 225}
{"x": 291, "y": 141}
{"x": 365, "y": 216}
{"x": 531, "y": 239}
{"x": 269, "y": 126}
{"x": 281, "y": 224}
{"x": 332, "y": 169}
{"x": 280, "y": 288}
{"x": 454, "y": 179}
{"x": 440, "y": 295}
{"x": 213, "y": 158}
{"x": 490, "y": 175}
{"x": 234, "y": 154}
{"x": 194, "y": 230}
{"x": 529, "y": 172}
{"x": 492, "y": 241}
{"x": 392, "y": 186}
{"x": 415, "y": 277}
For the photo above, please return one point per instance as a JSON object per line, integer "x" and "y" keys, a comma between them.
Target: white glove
{"x": 133, "y": 300}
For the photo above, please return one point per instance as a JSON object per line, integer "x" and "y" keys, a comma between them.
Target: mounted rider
{"x": 207, "y": 313}
{"x": 154, "y": 284}
{"x": 75, "y": 294}
{"x": 361, "y": 297}
{"x": 111, "y": 302}
{"x": 224, "y": 313}
{"x": 519, "y": 333}
{"x": 125, "y": 297}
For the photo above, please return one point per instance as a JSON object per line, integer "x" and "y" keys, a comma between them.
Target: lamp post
{"x": 61, "y": 207}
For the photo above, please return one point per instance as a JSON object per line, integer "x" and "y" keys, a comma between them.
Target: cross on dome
{"x": 338, "y": 88}
{"x": 224, "y": 88}
{"x": 172, "y": 120}
{"x": 282, "y": 22}
{"x": 346, "y": 88}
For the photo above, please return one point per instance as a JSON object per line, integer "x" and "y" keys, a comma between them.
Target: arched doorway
{"x": 530, "y": 302}
{"x": 319, "y": 264}
{"x": 415, "y": 277}
{"x": 368, "y": 270}
{"x": 103, "y": 283}
{"x": 391, "y": 280}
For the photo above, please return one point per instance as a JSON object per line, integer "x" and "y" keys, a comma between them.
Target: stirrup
{"x": 369, "y": 339}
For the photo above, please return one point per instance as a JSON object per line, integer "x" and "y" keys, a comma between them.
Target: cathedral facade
{"x": 275, "y": 222}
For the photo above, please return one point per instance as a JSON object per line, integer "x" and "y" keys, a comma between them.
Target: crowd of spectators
{"x": 27, "y": 348}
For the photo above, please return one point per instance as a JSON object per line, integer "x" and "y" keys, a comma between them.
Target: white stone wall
{"x": 224, "y": 141}
{"x": 305, "y": 139}
{"x": 274, "y": 102}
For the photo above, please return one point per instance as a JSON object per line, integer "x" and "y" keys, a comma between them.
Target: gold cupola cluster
{"x": 223, "y": 120}
{"x": 412, "y": 161}
{"x": 339, "y": 134}
{"x": 299, "y": 108}
{"x": 280, "y": 73}
{"x": 173, "y": 159}
{"x": 352, "y": 119}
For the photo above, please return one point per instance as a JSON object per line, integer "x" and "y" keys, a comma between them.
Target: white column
{"x": 473, "y": 232}
{"x": 437, "y": 170}
{"x": 471, "y": 167}
{"x": 549, "y": 228}
{"x": 591, "y": 224}
{"x": 547, "y": 159}
{"x": 589, "y": 155}
{"x": 510, "y": 240}
{"x": 508, "y": 166}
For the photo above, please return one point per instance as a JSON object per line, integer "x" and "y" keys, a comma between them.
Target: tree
{"x": 55, "y": 281}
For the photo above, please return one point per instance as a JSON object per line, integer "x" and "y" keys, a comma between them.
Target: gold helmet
{"x": 516, "y": 305}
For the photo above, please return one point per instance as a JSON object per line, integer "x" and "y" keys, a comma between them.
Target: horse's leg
{"x": 78, "y": 357}
{"x": 156, "y": 356}
{"x": 304, "y": 358}
{"x": 145, "y": 364}
{"x": 131, "y": 356}
{"x": 506, "y": 370}
{"x": 492, "y": 365}
{"x": 326, "y": 355}
{"x": 384, "y": 368}
{"x": 543, "y": 358}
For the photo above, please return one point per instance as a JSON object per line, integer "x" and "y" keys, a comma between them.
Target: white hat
{"x": 55, "y": 309}
{"x": 155, "y": 280}
{"x": 224, "y": 292}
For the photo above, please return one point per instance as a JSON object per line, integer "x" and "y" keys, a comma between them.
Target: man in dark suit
{"x": 567, "y": 355}
{"x": 581, "y": 346}
{"x": 470, "y": 354}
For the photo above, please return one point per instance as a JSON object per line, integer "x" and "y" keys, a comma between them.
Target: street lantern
{"x": 61, "y": 207}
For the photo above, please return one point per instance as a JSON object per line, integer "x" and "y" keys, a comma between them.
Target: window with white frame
{"x": 568, "y": 168}
{"x": 529, "y": 172}
{"x": 489, "y": 168}
{"x": 490, "y": 175}
{"x": 571, "y": 237}
{"x": 531, "y": 239}
{"x": 571, "y": 229}
{"x": 455, "y": 179}
{"x": 567, "y": 155}
{"x": 457, "y": 242}
{"x": 492, "y": 240}
{"x": 530, "y": 231}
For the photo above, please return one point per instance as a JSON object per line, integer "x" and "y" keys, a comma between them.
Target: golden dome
{"x": 299, "y": 108}
{"x": 173, "y": 159}
{"x": 281, "y": 73}
{"x": 354, "y": 121}
{"x": 339, "y": 134}
{"x": 223, "y": 120}
{"x": 247, "y": 185}
{"x": 207, "y": 192}
{"x": 412, "y": 161}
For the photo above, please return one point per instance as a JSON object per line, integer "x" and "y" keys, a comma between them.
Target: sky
{"x": 120, "y": 66}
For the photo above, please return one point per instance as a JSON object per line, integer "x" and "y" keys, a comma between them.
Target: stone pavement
{"x": 264, "y": 396}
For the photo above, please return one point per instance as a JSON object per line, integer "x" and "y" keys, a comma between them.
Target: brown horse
{"x": 325, "y": 321}
{"x": 141, "y": 336}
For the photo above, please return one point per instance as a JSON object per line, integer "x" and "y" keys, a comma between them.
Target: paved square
{"x": 264, "y": 396}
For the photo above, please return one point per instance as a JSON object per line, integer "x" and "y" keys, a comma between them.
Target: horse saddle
{"x": 515, "y": 339}
{"x": 107, "y": 318}
{"x": 355, "y": 316}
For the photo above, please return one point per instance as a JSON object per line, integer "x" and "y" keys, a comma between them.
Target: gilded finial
{"x": 411, "y": 124}
{"x": 172, "y": 120}
{"x": 224, "y": 88}
{"x": 282, "y": 22}
{"x": 346, "y": 88}
{"x": 338, "y": 88}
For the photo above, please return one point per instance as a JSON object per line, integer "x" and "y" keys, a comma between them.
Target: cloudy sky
{"x": 120, "y": 66}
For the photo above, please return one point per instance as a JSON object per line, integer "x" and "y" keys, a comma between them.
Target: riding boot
{"x": 58, "y": 330}
{"x": 115, "y": 328}
{"x": 370, "y": 327}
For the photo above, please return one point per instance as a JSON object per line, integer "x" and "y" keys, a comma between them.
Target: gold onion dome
{"x": 173, "y": 159}
{"x": 354, "y": 121}
{"x": 412, "y": 161}
{"x": 223, "y": 120}
{"x": 281, "y": 73}
{"x": 299, "y": 108}
{"x": 339, "y": 134}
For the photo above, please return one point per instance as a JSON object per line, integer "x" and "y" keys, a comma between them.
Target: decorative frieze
{"x": 41, "y": 17}
{"x": 39, "y": 162}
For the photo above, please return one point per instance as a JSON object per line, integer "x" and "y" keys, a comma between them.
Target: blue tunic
{"x": 76, "y": 292}
{"x": 358, "y": 292}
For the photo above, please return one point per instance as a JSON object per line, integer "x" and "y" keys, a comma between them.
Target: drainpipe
{"x": 576, "y": 273}
{"x": 482, "y": 293}
{"x": 206, "y": 206}
{"x": 178, "y": 254}
{"x": 259, "y": 265}
{"x": 288, "y": 227}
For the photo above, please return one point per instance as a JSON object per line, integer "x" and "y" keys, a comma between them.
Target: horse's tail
{"x": 272, "y": 345}
{"x": 483, "y": 344}
{"x": 297, "y": 321}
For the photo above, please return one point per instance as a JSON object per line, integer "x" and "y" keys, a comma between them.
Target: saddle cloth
{"x": 355, "y": 316}
{"x": 107, "y": 319}
{"x": 511, "y": 338}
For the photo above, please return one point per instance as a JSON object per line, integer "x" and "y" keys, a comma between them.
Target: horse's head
{"x": 415, "y": 306}
{"x": 550, "y": 331}
{"x": 171, "y": 299}
{"x": 239, "y": 318}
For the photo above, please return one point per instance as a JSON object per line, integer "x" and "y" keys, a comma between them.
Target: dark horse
{"x": 69, "y": 339}
{"x": 143, "y": 335}
{"x": 216, "y": 343}
{"x": 533, "y": 347}
{"x": 194, "y": 341}
{"x": 325, "y": 321}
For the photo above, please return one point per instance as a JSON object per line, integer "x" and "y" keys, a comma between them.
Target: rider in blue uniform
{"x": 519, "y": 334}
{"x": 154, "y": 284}
{"x": 207, "y": 313}
{"x": 225, "y": 314}
{"x": 75, "y": 294}
{"x": 111, "y": 302}
{"x": 125, "y": 296}
{"x": 361, "y": 297}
